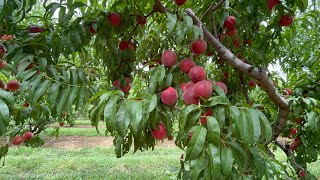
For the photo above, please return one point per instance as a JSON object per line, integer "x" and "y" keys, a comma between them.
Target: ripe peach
{"x": 159, "y": 133}
{"x": 222, "y": 86}
{"x": 190, "y": 84}
{"x": 26, "y": 104}
{"x": 289, "y": 91}
{"x": 169, "y": 96}
{"x": 131, "y": 46}
{"x": 197, "y": 73}
{"x": 3, "y": 64}
{"x": 123, "y": 45}
{"x": 183, "y": 86}
{"x": 35, "y": 29}
{"x": 226, "y": 74}
{"x": 293, "y": 131}
{"x": 6, "y": 37}
{"x": 188, "y": 97}
{"x": 142, "y": 20}
{"x": 302, "y": 173}
{"x": 232, "y": 32}
{"x": 286, "y": 20}
{"x": 202, "y": 89}
{"x": 272, "y": 3}
{"x": 92, "y": 30}
{"x": 203, "y": 119}
{"x": 2, "y": 52}
{"x": 125, "y": 88}
{"x": 114, "y": 19}
{"x": 248, "y": 42}
{"x": 186, "y": 65}
{"x": 61, "y": 124}
{"x": 169, "y": 58}
{"x": 17, "y": 140}
{"x": 179, "y": 2}
{"x": 209, "y": 53}
{"x": 230, "y": 22}
{"x": 170, "y": 138}
{"x": 252, "y": 83}
{"x": 198, "y": 46}
{"x": 13, "y": 85}
{"x": 27, "y": 136}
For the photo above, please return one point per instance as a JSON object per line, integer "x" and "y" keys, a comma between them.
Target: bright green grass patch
{"x": 73, "y": 131}
{"x": 90, "y": 163}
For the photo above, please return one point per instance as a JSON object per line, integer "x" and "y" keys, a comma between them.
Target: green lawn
{"x": 92, "y": 163}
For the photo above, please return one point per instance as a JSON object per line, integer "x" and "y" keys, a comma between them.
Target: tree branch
{"x": 158, "y": 7}
{"x": 290, "y": 155}
{"x": 213, "y": 25}
{"x": 244, "y": 89}
{"x": 261, "y": 75}
{"x": 213, "y": 8}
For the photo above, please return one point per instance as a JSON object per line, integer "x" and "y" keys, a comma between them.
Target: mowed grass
{"x": 90, "y": 163}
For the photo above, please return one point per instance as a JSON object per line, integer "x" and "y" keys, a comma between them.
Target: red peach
{"x": 186, "y": 65}
{"x": 159, "y": 133}
{"x": 169, "y": 58}
{"x": 114, "y": 19}
{"x": 197, "y": 73}
{"x": 189, "y": 98}
{"x": 169, "y": 96}
{"x": 202, "y": 89}
{"x": 198, "y": 46}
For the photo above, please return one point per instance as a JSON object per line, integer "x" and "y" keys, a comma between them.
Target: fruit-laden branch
{"x": 261, "y": 75}
{"x": 290, "y": 155}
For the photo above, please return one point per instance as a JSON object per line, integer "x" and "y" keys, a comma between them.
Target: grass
{"x": 92, "y": 163}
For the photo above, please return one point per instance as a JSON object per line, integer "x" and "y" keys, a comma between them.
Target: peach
{"x": 289, "y": 91}
{"x": 293, "y": 131}
{"x": 169, "y": 58}
{"x": 17, "y": 140}
{"x": 123, "y": 45}
{"x": 125, "y": 88}
{"x": 186, "y": 65}
{"x": 272, "y": 3}
{"x": 92, "y": 30}
{"x": 114, "y": 19}
{"x": 232, "y": 32}
{"x": 286, "y": 20}
{"x": 159, "y": 133}
{"x": 190, "y": 84}
{"x": 198, "y": 46}
{"x": 35, "y": 29}
{"x": 189, "y": 98}
{"x": 27, "y": 136}
{"x": 230, "y": 22}
{"x": 222, "y": 86}
{"x": 236, "y": 42}
{"x": 183, "y": 86}
{"x": 197, "y": 73}
{"x": 202, "y": 89}
{"x": 179, "y": 2}
{"x": 203, "y": 119}
{"x": 169, "y": 96}
{"x": 252, "y": 83}
{"x": 13, "y": 85}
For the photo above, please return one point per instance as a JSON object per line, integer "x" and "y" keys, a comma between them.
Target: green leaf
{"x": 216, "y": 100}
{"x": 153, "y": 102}
{"x": 3, "y": 151}
{"x": 266, "y": 127}
{"x": 226, "y": 161}
{"x": 136, "y": 116}
{"x": 110, "y": 112}
{"x": 188, "y": 21}
{"x": 196, "y": 166}
{"x": 7, "y": 96}
{"x": 185, "y": 113}
{"x": 255, "y": 124}
{"x": 172, "y": 19}
{"x": 97, "y": 95}
{"x": 259, "y": 163}
{"x": 213, "y": 135}
{"x": 40, "y": 90}
{"x": 71, "y": 97}
{"x": 219, "y": 113}
{"x": 240, "y": 154}
{"x": 161, "y": 73}
{"x": 244, "y": 128}
{"x": 4, "y": 117}
{"x": 196, "y": 143}
{"x": 61, "y": 100}
{"x": 1, "y": 11}
{"x": 123, "y": 117}
{"x": 215, "y": 163}
{"x": 53, "y": 93}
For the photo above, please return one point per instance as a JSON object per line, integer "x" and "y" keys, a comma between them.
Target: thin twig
{"x": 213, "y": 8}
{"x": 213, "y": 25}
{"x": 244, "y": 89}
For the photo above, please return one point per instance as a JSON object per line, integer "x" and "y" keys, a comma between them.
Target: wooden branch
{"x": 259, "y": 74}
{"x": 290, "y": 155}
{"x": 213, "y": 25}
{"x": 244, "y": 89}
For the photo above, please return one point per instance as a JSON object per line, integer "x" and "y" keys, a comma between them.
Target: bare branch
{"x": 259, "y": 74}
{"x": 158, "y": 7}
{"x": 213, "y": 25}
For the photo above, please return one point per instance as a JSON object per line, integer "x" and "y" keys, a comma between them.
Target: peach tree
{"x": 196, "y": 72}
